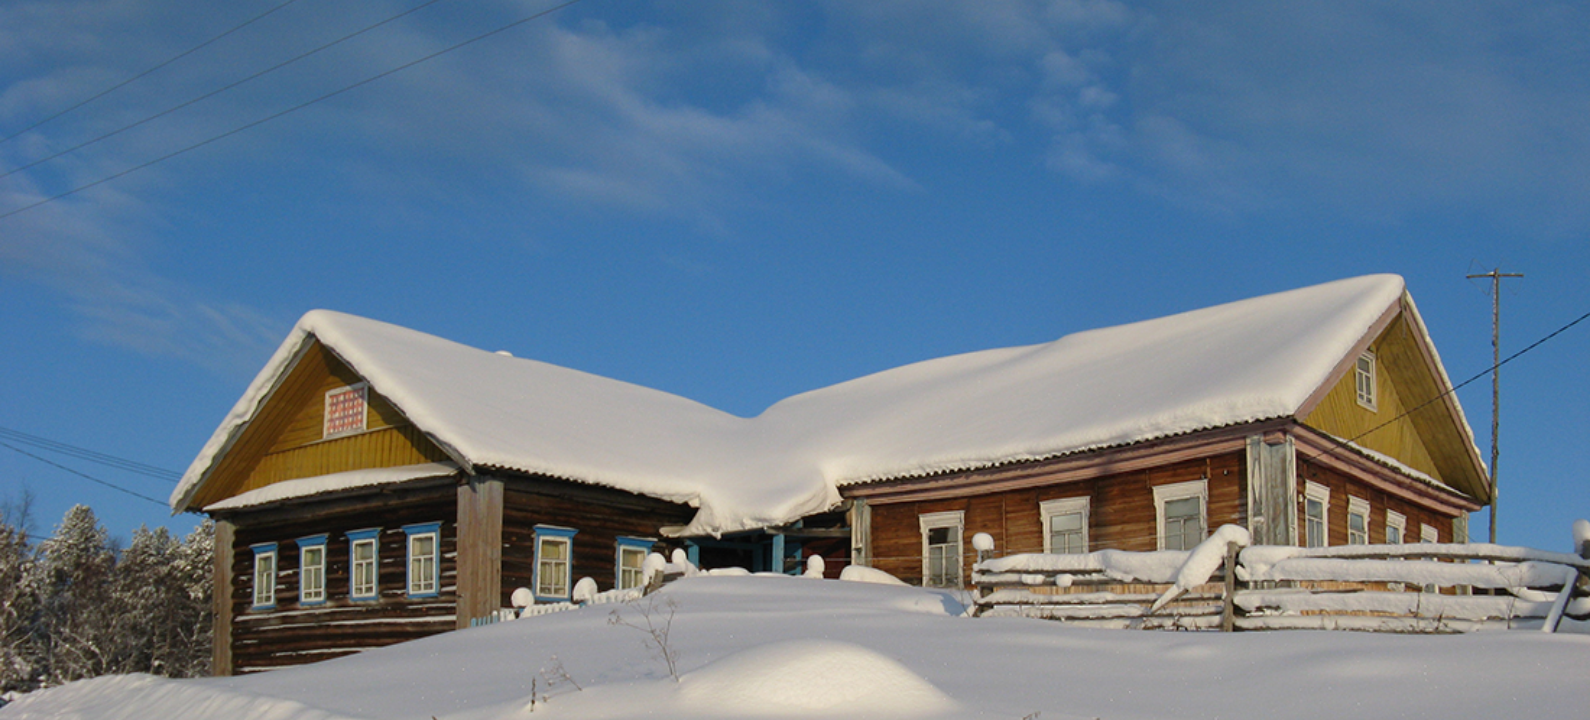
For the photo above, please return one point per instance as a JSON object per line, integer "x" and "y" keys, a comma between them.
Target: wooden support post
{"x": 479, "y": 549}
{"x": 778, "y": 553}
{"x": 221, "y": 575}
{"x": 1228, "y": 610}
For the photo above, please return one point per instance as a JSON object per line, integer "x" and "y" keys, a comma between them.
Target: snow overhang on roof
{"x": 1240, "y": 362}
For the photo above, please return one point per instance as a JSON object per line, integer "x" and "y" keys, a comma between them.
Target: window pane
{"x": 1183, "y": 508}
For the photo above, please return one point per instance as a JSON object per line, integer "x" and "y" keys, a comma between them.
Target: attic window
{"x": 1365, "y": 376}
{"x": 345, "y": 410}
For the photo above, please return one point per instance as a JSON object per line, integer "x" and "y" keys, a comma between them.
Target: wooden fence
{"x": 1224, "y": 584}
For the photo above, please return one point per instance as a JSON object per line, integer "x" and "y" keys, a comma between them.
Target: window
{"x": 423, "y": 540}
{"x": 264, "y": 576}
{"x": 1316, "y": 513}
{"x": 345, "y": 410}
{"x": 941, "y": 548}
{"x": 631, "y": 559}
{"x": 1396, "y": 527}
{"x": 312, "y": 570}
{"x": 1428, "y": 534}
{"x": 363, "y": 557}
{"x": 1357, "y": 521}
{"x": 1065, "y": 525}
{"x": 1364, "y": 375}
{"x": 1181, "y": 510}
{"x": 554, "y": 555}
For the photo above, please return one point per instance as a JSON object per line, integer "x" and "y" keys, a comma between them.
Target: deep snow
{"x": 797, "y": 647}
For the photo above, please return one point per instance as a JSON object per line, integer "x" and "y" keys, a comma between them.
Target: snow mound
{"x": 861, "y": 573}
{"x": 810, "y": 677}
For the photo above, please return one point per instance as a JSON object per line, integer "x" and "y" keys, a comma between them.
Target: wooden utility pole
{"x": 1496, "y": 276}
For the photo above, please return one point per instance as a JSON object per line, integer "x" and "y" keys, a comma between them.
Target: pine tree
{"x": 18, "y": 606}
{"x": 72, "y": 579}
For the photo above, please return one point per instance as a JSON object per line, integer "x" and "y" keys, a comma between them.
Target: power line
{"x": 84, "y": 475}
{"x": 132, "y": 466}
{"x": 219, "y": 90}
{"x": 1455, "y": 388}
{"x": 288, "y": 111}
{"x": 135, "y": 78}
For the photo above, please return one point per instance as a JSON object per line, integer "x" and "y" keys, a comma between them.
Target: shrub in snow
{"x": 859, "y": 573}
{"x": 656, "y": 621}
{"x": 584, "y": 591}
{"x": 815, "y": 567}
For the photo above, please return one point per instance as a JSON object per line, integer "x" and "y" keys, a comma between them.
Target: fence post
{"x": 1228, "y": 610}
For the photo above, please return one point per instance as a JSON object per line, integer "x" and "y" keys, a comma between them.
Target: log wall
{"x": 1342, "y": 486}
{"x": 1121, "y": 513}
{"x": 292, "y": 634}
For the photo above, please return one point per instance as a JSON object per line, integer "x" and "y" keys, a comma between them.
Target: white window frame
{"x": 364, "y": 411}
{"x": 1313, "y": 491}
{"x": 1051, "y": 509}
{"x": 1428, "y": 534}
{"x": 1357, "y": 506}
{"x": 956, "y": 521}
{"x": 1396, "y": 520}
{"x": 1366, "y": 381}
{"x": 1181, "y": 491}
{"x": 311, "y": 575}
{"x": 364, "y": 588}
{"x": 545, "y": 587}
{"x": 631, "y": 575}
{"x": 423, "y": 569}
{"x": 265, "y": 572}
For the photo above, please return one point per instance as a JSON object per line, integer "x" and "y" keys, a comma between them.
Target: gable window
{"x": 1396, "y": 527}
{"x": 1182, "y": 513}
{"x": 345, "y": 410}
{"x": 363, "y": 556}
{"x": 941, "y": 548}
{"x": 312, "y": 570}
{"x": 554, "y": 557}
{"x": 1364, "y": 376}
{"x": 1065, "y": 525}
{"x": 264, "y": 576}
{"x": 423, "y": 542}
{"x": 631, "y": 559}
{"x": 1316, "y": 513}
{"x": 1357, "y": 521}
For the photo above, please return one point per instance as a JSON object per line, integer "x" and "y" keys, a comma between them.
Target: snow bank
{"x": 1245, "y": 361}
{"x": 810, "y": 678}
{"x": 1121, "y": 565}
{"x": 861, "y": 573}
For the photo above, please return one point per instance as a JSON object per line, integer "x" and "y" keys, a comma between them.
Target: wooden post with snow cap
{"x": 1228, "y": 609}
{"x": 983, "y": 543}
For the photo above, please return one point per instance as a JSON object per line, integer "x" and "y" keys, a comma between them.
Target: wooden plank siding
{"x": 599, "y": 515}
{"x": 1343, "y": 486}
{"x": 283, "y": 442}
{"x": 1121, "y": 513}
{"x": 1385, "y": 429}
{"x": 290, "y": 633}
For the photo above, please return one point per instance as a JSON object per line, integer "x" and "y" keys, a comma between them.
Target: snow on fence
{"x": 1225, "y": 583}
{"x": 656, "y": 570}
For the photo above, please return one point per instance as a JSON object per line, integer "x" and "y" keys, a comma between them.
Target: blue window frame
{"x": 631, "y": 558}
{"x": 264, "y": 576}
{"x": 312, "y": 569}
{"x": 554, "y": 562}
{"x": 364, "y": 564}
{"x": 424, "y": 554}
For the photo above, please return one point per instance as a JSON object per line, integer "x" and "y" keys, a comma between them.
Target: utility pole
{"x": 1496, "y": 276}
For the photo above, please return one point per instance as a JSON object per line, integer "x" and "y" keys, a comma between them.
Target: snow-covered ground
{"x": 793, "y": 647}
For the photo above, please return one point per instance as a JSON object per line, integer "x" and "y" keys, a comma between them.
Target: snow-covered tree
{"x": 161, "y": 598}
{"x": 17, "y": 607}
{"x": 72, "y": 579}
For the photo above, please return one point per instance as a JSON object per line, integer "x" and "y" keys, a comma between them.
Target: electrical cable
{"x": 217, "y": 91}
{"x": 92, "y": 456}
{"x": 135, "y": 78}
{"x": 288, "y": 111}
{"x": 84, "y": 475}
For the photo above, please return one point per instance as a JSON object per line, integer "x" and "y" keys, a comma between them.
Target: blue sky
{"x": 737, "y": 201}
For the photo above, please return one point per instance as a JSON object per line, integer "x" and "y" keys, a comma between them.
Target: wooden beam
{"x": 221, "y": 597}
{"x": 479, "y": 549}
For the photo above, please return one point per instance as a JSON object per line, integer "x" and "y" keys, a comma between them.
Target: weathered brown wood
{"x": 1228, "y": 598}
{"x": 479, "y": 549}
{"x": 221, "y": 647}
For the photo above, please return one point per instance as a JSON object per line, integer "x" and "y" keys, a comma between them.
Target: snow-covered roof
{"x": 333, "y": 483}
{"x": 1239, "y": 362}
